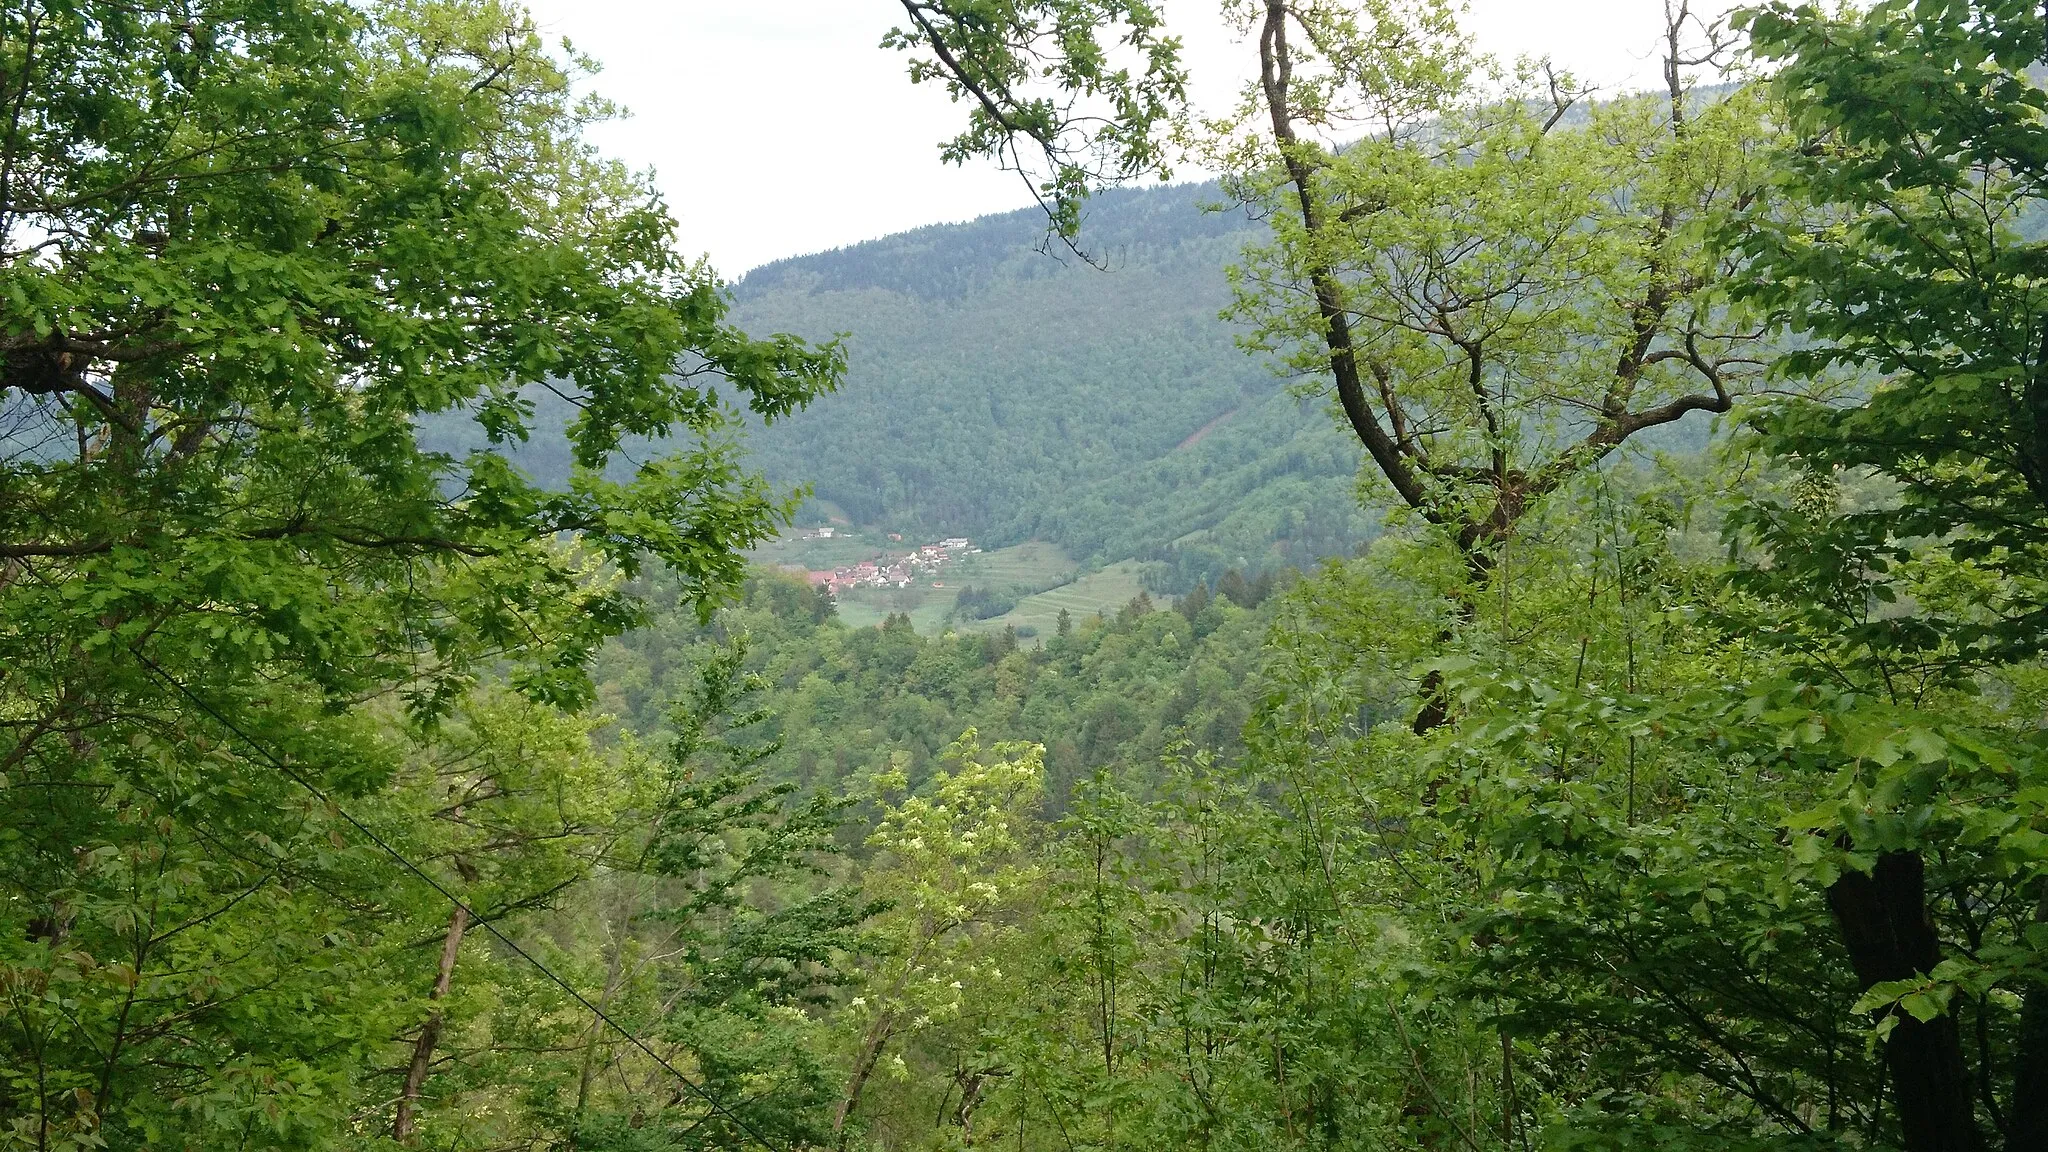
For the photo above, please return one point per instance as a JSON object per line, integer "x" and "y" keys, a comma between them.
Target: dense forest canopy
{"x": 397, "y": 749}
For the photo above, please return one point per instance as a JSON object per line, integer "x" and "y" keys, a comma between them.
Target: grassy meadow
{"x": 1103, "y": 591}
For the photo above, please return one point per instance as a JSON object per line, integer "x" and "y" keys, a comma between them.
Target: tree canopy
{"x": 360, "y": 789}
{"x": 244, "y": 247}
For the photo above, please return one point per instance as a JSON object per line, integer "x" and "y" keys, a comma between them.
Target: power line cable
{"x": 278, "y": 762}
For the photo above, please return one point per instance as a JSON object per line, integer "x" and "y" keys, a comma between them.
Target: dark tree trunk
{"x": 2027, "y": 1126}
{"x": 1884, "y": 924}
{"x": 972, "y": 1083}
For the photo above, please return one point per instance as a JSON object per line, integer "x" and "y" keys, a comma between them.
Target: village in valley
{"x": 891, "y": 569}
{"x": 871, "y": 574}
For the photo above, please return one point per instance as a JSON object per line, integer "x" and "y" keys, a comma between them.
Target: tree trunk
{"x": 2027, "y": 1128}
{"x": 1885, "y": 926}
{"x": 1276, "y": 73}
{"x": 971, "y": 1085}
{"x": 863, "y": 1066}
{"x": 402, "y": 1126}
{"x": 614, "y": 970}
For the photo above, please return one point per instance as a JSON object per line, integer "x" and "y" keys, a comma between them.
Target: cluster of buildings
{"x": 893, "y": 570}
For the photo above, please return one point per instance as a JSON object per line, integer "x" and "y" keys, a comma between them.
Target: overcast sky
{"x": 778, "y": 127}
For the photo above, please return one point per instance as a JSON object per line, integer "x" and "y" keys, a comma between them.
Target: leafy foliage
{"x": 1726, "y": 829}
{"x": 1498, "y": 293}
{"x": 1113, "y": 693}
{"x": 1091, "y": 87}
{"x": 1913, "y": 261}
{"x": 243, "y": 247}
{"x": 983, "y": 603}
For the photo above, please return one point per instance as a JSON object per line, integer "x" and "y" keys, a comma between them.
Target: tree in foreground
{"x": 1072, "y": 95}
{"x": 1904, "y": 249}
{"x": 243, "y": 248}
{"x": 1500, "y": 280}
{"x": 1498, "y": 301}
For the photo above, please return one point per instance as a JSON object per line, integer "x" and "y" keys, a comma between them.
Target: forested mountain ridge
{"x": 1003, "y": 392}
{"x": 1127, "y": 229}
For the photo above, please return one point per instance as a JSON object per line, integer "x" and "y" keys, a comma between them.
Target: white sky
{"x": 779, "y": 127}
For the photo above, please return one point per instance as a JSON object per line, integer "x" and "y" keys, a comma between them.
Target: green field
{"x": 1031, "y": 566}
{"x": 1104, "y": 591}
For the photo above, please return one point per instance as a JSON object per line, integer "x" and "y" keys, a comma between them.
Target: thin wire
{"x": 281, "y": 765}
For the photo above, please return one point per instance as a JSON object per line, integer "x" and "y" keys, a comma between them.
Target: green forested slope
{"x": 999, "y": 392}
{"x": 1004, "y": 393}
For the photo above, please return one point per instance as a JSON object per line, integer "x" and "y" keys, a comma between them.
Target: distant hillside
{"x": 1005, "y": 394}
{"x": 1002, "y": 393}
